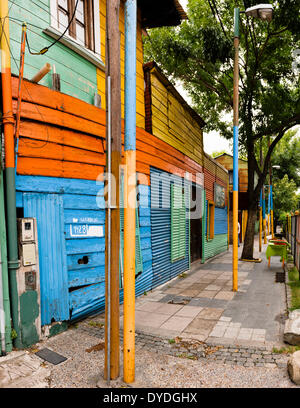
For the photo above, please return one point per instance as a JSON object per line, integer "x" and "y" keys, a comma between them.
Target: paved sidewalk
{"x": 194, "y": 323}
{"x": 202, "y": 306}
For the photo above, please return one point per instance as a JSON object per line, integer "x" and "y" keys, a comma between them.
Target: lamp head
{"x": 262, "y": 11}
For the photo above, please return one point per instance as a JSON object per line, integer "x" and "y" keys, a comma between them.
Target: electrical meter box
{"x": 27, "y": 229}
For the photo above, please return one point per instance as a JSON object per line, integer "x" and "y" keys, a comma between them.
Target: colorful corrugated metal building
{"x": 61, "y": 158}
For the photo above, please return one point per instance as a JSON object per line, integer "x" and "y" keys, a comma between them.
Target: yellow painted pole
{"x": 235, "y": 242}
{"x": 228, "y": 208}
{"x": 129, "y": 266}
{"x": 265, "y": 230}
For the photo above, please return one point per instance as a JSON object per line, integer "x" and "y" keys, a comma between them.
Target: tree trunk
{"x": 252, "y": 204}
{"x": 249, "y": 236}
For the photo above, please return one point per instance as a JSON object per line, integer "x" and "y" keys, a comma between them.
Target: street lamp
{"x": 261, "y": 11}
{"x": 265, "y": 13}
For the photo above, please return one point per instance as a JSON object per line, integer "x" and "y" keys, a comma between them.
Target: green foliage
{"x": 285, "y": 198}
{"x": 13, "y": 334}
{"x": 286, "y": 350}
{"x": 218, "y": 153}
{"x": 199, "y": 53}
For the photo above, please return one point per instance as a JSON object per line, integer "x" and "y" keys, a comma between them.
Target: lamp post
{"x": 275, "y": 166}
{"x": 263, "y": 12}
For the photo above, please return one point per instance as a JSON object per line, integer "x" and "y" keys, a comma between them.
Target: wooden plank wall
{"x": 61, "y": 136}
{"x": 140, "y": 104}
{"x": 78, "y": 77}
{"x": 213, "y": 173}
{"x": 172, "y": 123}
{"x": 227, "y": 161}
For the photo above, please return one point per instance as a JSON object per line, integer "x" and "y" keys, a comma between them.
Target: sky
{"x": 212, "y": 141}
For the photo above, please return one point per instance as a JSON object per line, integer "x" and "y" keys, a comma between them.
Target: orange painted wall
{"x": 61, "y": 136}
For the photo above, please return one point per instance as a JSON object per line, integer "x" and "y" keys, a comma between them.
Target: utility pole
{"x": 130, "y": 190}
{"x": 235, "y": 189}
{"x": 112, "y": 219}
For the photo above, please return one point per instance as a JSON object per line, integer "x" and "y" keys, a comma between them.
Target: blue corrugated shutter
{"x": 163, "y": 268}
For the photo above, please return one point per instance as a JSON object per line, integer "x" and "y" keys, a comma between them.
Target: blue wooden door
{"x": 48, "y": 210}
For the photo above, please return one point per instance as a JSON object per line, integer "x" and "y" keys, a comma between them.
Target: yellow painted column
{"x": 129, "y": 265}
{"x": 235, "y": 242}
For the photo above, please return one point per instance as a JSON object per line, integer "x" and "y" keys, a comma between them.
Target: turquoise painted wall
{"x": 77, "y": 75}
{"x": 215, "y": 246}
{"x": 219, "y": 243}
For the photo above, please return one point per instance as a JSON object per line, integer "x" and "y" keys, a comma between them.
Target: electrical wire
{"x": 36, "y": 107}
{"x": 45, "y": 49}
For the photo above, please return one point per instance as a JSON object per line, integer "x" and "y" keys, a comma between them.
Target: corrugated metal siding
{"x": 221, "y": 220}
{"x": 163, "y": 269}
{"x": 219, "y": 243}
{"x": 85, "y": 210}
{"x": 215, "y": 246}
{"x": 48, "y": 210}
{"x": 82, "y": 201}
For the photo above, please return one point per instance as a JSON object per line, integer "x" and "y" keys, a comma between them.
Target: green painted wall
{"x": 29, "y": 311}
{"x": 215, "y": 246}
{"x": 78, "y": 76}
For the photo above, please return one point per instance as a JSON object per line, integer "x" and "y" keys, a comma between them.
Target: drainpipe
{"x": 10, "y": 187}
{"x": 130, "y": 190}
{"x": 2, "y": 313}
{"x": 3, "y": 269}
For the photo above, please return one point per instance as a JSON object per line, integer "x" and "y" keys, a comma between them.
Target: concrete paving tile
{"x": 149, "y": 319}
{"x": 202, "y": 302}
{"x": 148, "y": 306}
{"x": 189, "y": 311}
{"x": 231, "y": 333}
{"x": 259, "y": 332}
{"x": 173, "y": 291}
{"x": 237, "y": 325}
{"x": 224, "y": 295}
{"x": 210, "y": 313}
{"x": 225, "y": 319}
{"x": 168, "y": 309}
{"x": 207, "y": 294}
{"x": 213, "y": 287}
{"x": 217, "y": 332}
{"x": 222, "y": 324}
{"x": 200, "y": 326}
{"x": 189, "y": 292}
{"x": 176, "y": 323}
{"x": 156, "y": 297}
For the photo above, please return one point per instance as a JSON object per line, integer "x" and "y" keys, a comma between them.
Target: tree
{"x": 218, "y": 153}
{"x": 285, "y": 198}
{"x": 200, "y": 53}
{"x": 287, "y": 155}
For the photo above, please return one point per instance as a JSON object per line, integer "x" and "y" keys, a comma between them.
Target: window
{"x": 230, "y": 174}
{"x": 210, "y": 220}
{"x": 178, "y": 223}
{"x": 82, "y": 26}
{"x": 84, "y": 30}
